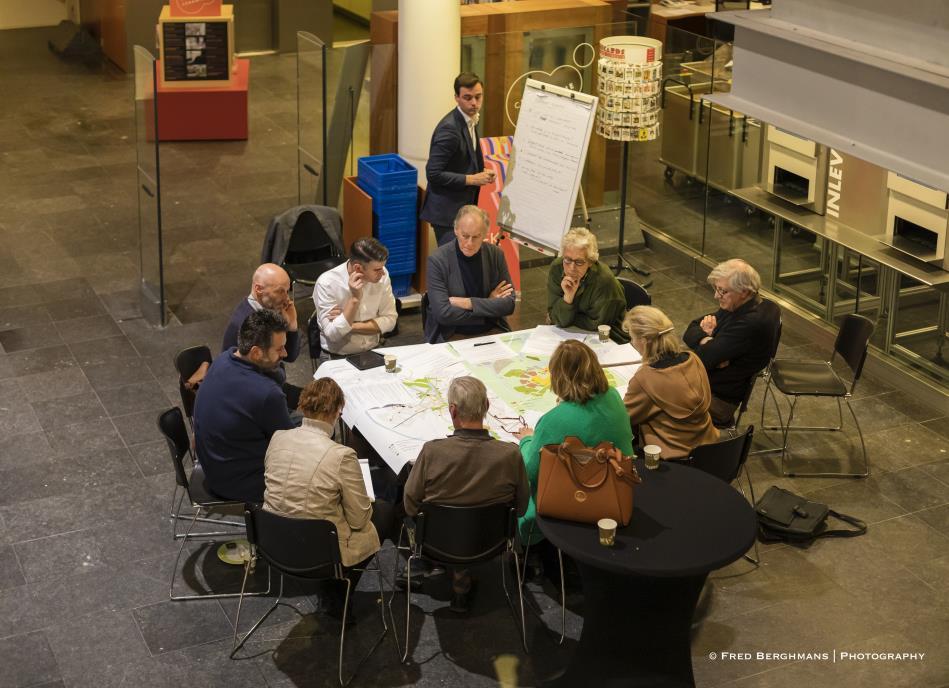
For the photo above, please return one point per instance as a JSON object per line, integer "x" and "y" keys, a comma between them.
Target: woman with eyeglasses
{"x": 581, "y": 290}
{"x": 588, "y": 409}
{"x": 668, "y": 398}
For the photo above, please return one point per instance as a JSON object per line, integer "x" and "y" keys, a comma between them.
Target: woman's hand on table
{"x": 523, "y": 432}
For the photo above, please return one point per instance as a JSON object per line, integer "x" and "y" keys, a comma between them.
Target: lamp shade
{"x": 629, "y": 70}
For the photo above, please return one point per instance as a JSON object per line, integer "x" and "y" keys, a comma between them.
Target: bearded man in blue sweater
{"x": 240, "y": 406}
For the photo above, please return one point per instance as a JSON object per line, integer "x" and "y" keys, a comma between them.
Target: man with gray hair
{"x": 467, "y": 468}
{"x": 469, "y": 285}
{"x": 735, "y": 341}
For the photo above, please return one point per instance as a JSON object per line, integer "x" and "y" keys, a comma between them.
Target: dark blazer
{"x": 743, "y": 338}
{"x": 450, "y": 158}
{"x": 279, "y": 374}
{"x": 444, "y": 280}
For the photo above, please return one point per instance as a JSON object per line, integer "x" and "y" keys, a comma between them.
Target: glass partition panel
{"x": 346, "y": 68}
{"x": 311, "y": 119}
{"x": 920, "y": 331}
{"x": 152, "y": 284}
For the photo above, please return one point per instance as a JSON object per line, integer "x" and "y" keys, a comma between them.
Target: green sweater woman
{"x": 589, "y": 409}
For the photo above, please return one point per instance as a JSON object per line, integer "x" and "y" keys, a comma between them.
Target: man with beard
{"x": 240, "y": 406}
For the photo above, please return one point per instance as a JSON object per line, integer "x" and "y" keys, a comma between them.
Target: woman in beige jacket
{"x": 308, "y": 475}
{"x": 669, "y": 396}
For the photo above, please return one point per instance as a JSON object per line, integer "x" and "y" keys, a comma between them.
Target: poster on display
{"x": 195, "y": 51}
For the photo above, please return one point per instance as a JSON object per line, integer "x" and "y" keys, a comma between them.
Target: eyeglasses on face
{"x": 721, "y": 292}
{"x": 576, "y": 263}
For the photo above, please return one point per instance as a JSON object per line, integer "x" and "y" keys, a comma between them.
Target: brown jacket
{"x": 670, "y": 406}
{"x": 467, "y": 468}
{"x": 308, "y": 475}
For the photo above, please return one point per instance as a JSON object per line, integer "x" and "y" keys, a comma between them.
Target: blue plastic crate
{"x": 401, "y": 284}
{"x": 387, "y": 172}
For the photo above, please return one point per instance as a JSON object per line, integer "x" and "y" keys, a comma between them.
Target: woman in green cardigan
{"x": 588, "y": 409}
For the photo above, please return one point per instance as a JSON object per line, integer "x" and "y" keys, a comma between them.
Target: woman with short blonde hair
{"x": 588, "y": 409}
{"x": 669, "y": 396}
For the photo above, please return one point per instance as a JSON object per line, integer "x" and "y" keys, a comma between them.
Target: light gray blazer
{"x": 444, "y": 280}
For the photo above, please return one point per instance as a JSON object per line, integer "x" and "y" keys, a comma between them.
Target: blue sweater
{"x": 237, "y": 410}
{"x": 234, "y": 325}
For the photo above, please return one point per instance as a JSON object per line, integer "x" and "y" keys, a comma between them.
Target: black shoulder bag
{"x": 786, "y": 517}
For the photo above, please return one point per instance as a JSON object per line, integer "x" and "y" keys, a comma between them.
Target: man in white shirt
{"x": 354, "y": 301}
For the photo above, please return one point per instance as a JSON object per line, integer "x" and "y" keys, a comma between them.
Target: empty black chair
{"x": 172, "y": 426}
{"x": 187, "y": 363}
{"x": 311, "y": 251}
{"x": 726, "y": 459}
{"x": 463, "y": 536}
{"x": 303, "y": 548}
{"x": 634, "y": 293}
{"x": 819, "y": 379}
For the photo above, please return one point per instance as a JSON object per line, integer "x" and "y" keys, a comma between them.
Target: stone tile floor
{"x": 86, "y": 550}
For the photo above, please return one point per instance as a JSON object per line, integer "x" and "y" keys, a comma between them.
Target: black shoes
{"x": 420, "y": 571}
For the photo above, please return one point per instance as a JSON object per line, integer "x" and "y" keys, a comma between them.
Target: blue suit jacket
{"x": 450, "y": 158}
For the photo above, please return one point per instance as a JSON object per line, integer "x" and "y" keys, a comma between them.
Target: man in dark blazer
{"x": 469, "y": 285}
{"x": 735, "y": 342}
{"x": 455, "y": 168}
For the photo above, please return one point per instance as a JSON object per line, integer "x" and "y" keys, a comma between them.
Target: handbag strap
{"x": 860, "y": 527}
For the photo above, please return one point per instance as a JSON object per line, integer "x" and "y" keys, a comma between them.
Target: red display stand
{"x": 205, "y": 114}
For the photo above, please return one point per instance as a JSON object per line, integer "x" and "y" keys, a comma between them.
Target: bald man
{"x": 270, "y": 289}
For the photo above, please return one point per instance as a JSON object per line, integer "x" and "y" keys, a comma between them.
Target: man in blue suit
{"x": 455, "y": 168}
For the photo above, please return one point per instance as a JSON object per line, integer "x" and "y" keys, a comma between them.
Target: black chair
{"x": 819, "y": 379}
{"x": 727, "y": 459}
{"x": 742, "y": 407}
{"x": 172, "y": 425}
{"x": 634, "y": 293}
{"x": 463, "y": 536}
{"x": 187, "y": 362}
{"x": 313, "y": 340}
{"x": 311, "y": 251}
{"x": 303, "y": 548}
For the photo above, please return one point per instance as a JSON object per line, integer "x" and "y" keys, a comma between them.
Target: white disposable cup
{"x": 604, "y": 332}
{"x": 607, "y": 528}
{"x": 653, "y": 453}
{"x": 390, "y": 363}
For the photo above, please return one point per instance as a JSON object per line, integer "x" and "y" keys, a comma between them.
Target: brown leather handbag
{"x": 585, "y": 484}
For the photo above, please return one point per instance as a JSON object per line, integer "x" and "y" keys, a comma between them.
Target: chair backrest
{"x": 313, "y": 338}
{"x": 172, "y": 426}
{"x": 309, "y": 241}
{"x": 726, "y": 458}
{"x": 635, "y": 294}
{"x": 424, "y": 306}
{"x": 302, "y": 547}
{"x": 464, "y": 534}
{"x": 186, "y": 363}
{"x": 853, "y": 338}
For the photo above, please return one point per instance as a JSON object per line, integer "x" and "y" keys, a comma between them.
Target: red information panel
{"x": 195, "y": 8}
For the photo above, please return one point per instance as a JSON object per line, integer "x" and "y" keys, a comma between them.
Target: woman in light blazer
{"x": 308, "y": 475}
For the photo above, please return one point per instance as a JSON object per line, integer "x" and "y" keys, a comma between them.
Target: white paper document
{"x": 367, "y": 478}
{"x": 379, "y": 393}
{"x": 483, "y": 350}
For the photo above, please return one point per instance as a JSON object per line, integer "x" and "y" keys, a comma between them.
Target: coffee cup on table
{"x": 653, "y": 453}
{"x": 607, "y": 528}
{"x": 604, "y": 333}
{"x": 390, "y": 361}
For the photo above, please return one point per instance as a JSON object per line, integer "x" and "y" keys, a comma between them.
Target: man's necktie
{"x": 473, "y": 122}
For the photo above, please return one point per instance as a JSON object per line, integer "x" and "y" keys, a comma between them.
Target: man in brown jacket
{"x": 467, "y": 468}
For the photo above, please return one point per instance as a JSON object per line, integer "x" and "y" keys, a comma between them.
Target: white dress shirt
{"x": 377, "y": 303}
{"x": 471, "y": 123}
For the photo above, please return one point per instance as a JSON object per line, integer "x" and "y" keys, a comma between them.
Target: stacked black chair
{"x": 302, "y": 548}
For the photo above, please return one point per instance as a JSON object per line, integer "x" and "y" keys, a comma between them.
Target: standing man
{"x": 469, "y": 286}
{"x": 455, "y": 168}
{"x": 354, "y": 301}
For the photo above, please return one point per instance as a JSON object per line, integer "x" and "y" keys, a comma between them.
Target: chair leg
{"x": 277, "y": 602}
{"x": 563, "y": 600}
{"x": 520, "y": 597}
{"x": 863, "y": 445}
{"x": 779, "y": 426}
{"x": 755, "y": 559}
{"x": 840, "y": 419}
{"x": 784, "y": 438}
{"x": 408, "y": 604}
{"x": 342, "y": 633}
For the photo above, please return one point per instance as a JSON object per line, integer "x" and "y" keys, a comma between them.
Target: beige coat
{"x": 308, "y": 475}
